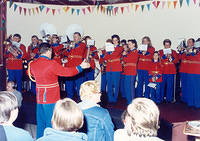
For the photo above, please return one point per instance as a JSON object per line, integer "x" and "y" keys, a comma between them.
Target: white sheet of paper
{"x": 167, "y": 51}
{"x": 90, "y": 42}
{"x": 152, "y": 85}
{"x": 143, "y": 47}
{"x": 109, "y": 47}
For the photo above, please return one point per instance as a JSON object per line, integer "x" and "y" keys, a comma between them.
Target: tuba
{"x": 46, "y": 31}
{"x": 14, "y": 48}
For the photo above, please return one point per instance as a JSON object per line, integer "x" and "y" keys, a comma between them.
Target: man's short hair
{"x": 17, "y": 35}
{"x": 44, "y": 47}
{"x": 8, "y": 103}
{"x": 89, "y": 88}
{"x": 67, "y": 116}
{"x": 35, "y": 36}
{"x": 167, "y": 41}
{"x": 78, "y": 33}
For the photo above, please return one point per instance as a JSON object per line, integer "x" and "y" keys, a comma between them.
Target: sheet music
{"x": 90, "y": 42}
{"x": 143, "y": 47}
{"x": 152, "y": 85}
{"x": 109, "y": 47}
{"x": 167, "y": 51}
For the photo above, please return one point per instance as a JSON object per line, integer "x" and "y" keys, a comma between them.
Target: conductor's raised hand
{"x": 85, "y": 65}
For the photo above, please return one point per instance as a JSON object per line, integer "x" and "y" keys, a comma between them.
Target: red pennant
{"x": 122, "y": 9}
{"x": 136, "y": 7}
{"x": 53, "y": 11}
{"x": 83, "y": 11}
{"x": 101, "y": 8}
{"x": 115, "y": 10}
{"x": 89, "y": 9}
{"x": 195, "y": 1}
{"x": 154, "y": 3}
{"x": 25, "y": 11}
{"x": 20, "y": 10}
{"x": 29, "y": 11}
{"x": 158, "y": 2}
{"x": 175, "y": 3}
{"x": 37, "y": 9}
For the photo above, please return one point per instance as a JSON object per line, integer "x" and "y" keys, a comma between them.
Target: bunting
{"x": 109, "y": 9}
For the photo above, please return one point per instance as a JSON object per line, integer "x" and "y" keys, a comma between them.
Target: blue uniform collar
{"x": 77, "y": 44}
{"x": 42, "y": 56}
{"x": 55, "y": 44}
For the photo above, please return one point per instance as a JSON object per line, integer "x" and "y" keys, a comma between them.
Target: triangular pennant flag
{"x": 73, "y": 11}
{"x": 104, "y": 10}
{"x": 93, "y": 8}
{"x": 59, "y": 11}
{"x": 188, "y": 2}
{"x": 194, "y": 1}
{"x": 148, "y": 6}
{"x": 163, "y": 4}
{"x": 41, "y": 7}
{"x": 83, "y": 9}
{"x": 29, "y": 11}
{"x": 115, "y": 10}
{"x": 15, "y": 7}
{"x": 89, "y": 9}
{"x": 94, "y": 1}
{"x": 25, "y": 11}
{"x": 66, "y": 9}
{"x": 101, "y": 8}
{"x": 78, "y": 11}
{"x": 142, "y": 7}
{"x": 47, "y": 10}
{"x": 131, "y": 5}
{"x": 169, "y": 4}
{"x": 127, "y": 8}
{"x": 136, "y": 7}
{"x": 98, "y": 6}
{"x": 11, "y": 3}
{"x": 181, "y": 3}
{"x": 158, "y": 3}
{"x": 37, "y": 9}
{"x": 107, "y": 9}
{"x": 20, "y": 10}
{"x": 122, "y": 10}
{"x": 154, "y": 3}
{"x": 53, "y": 11}
{"x": 175, "y": 3}
{"x": 33, "y": 11}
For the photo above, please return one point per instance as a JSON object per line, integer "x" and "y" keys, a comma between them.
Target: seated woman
{"x": 98, "y": 120}
{"x": 67, "y": 119}
{"x": 8, "y": 114}
{"x": 141, "y": 120}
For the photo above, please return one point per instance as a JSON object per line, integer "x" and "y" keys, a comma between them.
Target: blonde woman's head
{"x": 67, "y": 116}
{"x": 142, "y": 117}
{"x": 90, "y": 90}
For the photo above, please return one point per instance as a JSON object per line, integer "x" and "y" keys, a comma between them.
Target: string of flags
{"x": 106, "y": 9}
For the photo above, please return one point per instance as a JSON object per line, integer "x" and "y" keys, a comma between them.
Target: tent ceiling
{"x": 76, "y": 2}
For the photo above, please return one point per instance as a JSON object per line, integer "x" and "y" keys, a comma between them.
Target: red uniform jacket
{"x": 130, "y": 63}
{"x": 194, "y": 64}
{"x": 169, "y": 67}
{"x": 46, "y": 74}
{"x": 34, "y": 50}
{"x": 76, "y": 55}
{"x": 184, "y": 63}
{"x": 113, "y": 63}
{"x": 144, "y": 60}
{"x": 13, "y": 63}
{"x": 57, "y": 48}
{"x": 155, "y": 70}
{"x": 93, "y": 54}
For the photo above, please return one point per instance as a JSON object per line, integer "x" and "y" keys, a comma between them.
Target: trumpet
{"x": 97, "y": 50}
{"x": 14, "y": 48}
